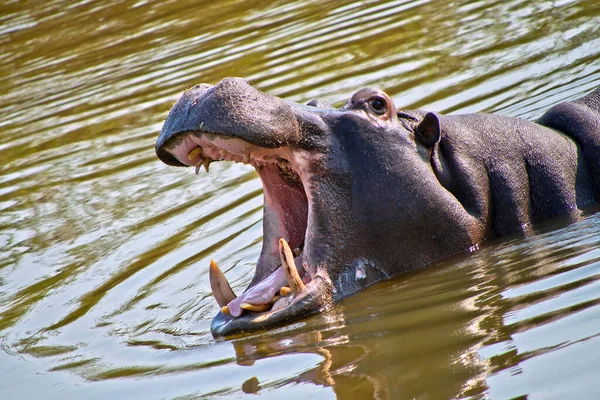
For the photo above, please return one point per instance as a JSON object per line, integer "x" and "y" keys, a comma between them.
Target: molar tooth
{"x": 195, "y": 152}
{"x": 255, "y": 307}
{"x": 223, "y": 152}
{"x": 219, "y": 285}
{"x": 297, "y": 251}
{"x": 274, "y": 299}
{"x": 246, "y": 158}
{"x": 289, "y": 267}
{"x": 285, "y": 291}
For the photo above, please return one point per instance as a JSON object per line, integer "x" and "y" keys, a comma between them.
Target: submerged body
{"x": 364, "y": 192}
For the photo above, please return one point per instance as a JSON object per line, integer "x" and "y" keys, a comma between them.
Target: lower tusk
{"x": 289, "y": 267}
{"x": 255, "y": 307}
{"x": 219, "y": 285}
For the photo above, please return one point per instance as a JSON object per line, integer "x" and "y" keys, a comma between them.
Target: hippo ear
{"x": 429, "y": 131}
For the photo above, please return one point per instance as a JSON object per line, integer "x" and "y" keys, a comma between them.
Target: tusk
{"x": 219, "y": 285}
{"x": 195, "y": 152}
{"x": 206, "y": 162}
{"x": 255, "y": 307}
{"x": 289, "y": 267}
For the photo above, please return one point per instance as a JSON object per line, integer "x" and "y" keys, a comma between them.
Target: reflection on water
{"x": 104, "y": 251}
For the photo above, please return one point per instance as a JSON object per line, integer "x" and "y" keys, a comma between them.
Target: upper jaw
{"x": 237, "y": 109}
{"x": 234, "y": 107}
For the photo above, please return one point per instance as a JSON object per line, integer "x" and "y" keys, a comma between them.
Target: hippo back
{"x": 580, "y": 119}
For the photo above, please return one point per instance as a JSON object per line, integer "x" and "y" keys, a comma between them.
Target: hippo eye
{"x": 378, "y": 105}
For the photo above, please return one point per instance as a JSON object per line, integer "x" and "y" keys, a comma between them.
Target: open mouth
{"x": 282, "y": 275}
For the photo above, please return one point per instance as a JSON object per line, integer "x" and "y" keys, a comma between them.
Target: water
{"x": 104, "y": 251}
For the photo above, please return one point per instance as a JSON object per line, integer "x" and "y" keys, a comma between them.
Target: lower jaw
{"x": 313, "y": 299}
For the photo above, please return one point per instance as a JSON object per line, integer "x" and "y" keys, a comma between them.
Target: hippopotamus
{"x": 356, "y": 194}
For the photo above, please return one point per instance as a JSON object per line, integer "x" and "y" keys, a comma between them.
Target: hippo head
{"x": 350, "y": 197}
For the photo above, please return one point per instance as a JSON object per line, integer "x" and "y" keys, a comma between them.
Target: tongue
{"x": 262, "y": 292}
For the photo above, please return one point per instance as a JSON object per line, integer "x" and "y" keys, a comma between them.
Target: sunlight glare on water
{"x": 104, "y": 250}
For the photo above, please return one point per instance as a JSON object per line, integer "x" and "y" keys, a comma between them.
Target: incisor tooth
{"x": 225, "y": 310}
{"x": 289, "y": 267}
{"x": 195, "y": 152}
{"x": 219, "y": 285}
{"x": 254, "y": 307}
{"x": 285, "y": 291}
{"x": 197, "y": 169}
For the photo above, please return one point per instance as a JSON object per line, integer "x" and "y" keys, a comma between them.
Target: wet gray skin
{"x": 370, "y": 192}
